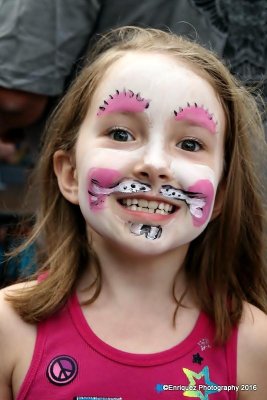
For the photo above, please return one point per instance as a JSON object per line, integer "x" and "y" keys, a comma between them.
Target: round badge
{"x": 62, "y": 370}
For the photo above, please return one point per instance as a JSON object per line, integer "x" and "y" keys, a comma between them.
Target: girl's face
{"x": 149, "y": 155}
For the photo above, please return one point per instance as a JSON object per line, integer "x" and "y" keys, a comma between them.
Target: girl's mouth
{"x": 147, "y": 206}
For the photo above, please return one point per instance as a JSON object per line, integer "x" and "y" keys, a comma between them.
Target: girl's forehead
{"x": 151, "y": 72}
{"x": 167, "y": 83}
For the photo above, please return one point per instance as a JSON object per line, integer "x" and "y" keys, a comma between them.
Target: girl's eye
{"x": 190, "y": 145}
{"x": 120, "y": 135}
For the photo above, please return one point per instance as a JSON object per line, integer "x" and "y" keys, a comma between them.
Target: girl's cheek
{"x": 197, "y": 179}
{"x": 105, "y": 178}
{"x": 206, "y": 189}
{"x": 95, "y": 166}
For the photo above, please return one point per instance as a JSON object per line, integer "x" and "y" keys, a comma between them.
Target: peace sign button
{"x": 62, "y": 370}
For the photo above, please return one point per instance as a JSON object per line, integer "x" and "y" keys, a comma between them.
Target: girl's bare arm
{"x": 17, "y": 340}
{"x": 6, "y": 348}
{"x": 252, "y": 355}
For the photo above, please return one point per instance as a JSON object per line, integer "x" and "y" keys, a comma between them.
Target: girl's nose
{"x": 154, "y": 167}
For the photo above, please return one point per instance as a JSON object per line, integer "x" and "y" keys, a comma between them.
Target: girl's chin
{"x": 140, "y": 237}
{"x": 141, "y": 246}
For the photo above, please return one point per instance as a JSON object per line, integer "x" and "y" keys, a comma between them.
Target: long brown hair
{"x": 225, "y": 264}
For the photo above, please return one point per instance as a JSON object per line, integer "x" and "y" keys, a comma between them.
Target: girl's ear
{"x": 219, "y": 199}
{"x": 66, "y": 173}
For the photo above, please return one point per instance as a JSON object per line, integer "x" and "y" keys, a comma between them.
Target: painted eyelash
{"x": 181, "y": 109}
{"x": 128, "y": 93}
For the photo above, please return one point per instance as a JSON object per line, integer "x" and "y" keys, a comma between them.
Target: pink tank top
{"x": 71, "y": 363}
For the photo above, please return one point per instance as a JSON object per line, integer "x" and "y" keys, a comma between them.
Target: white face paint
{"x": 149, "y": 154}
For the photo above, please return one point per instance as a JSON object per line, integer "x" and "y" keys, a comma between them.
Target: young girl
{"x": 153, "y": 284}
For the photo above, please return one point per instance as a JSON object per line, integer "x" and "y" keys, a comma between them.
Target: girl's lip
{"x": 141, "y": 216}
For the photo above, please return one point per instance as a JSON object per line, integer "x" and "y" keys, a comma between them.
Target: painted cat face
{"x": 149, "y": 154}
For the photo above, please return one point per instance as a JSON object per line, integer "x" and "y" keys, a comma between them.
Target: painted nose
{"x": 154, "y": 167}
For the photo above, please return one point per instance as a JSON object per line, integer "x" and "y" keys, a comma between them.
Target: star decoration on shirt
{"x": 197, "y": 359}
{"x": 204, "y": 344}
{"x": 208, "y": 388}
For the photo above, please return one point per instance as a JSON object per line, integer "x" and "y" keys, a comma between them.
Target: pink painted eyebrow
{"x": 124, "y": 101}
{"x": 197, "y": 115}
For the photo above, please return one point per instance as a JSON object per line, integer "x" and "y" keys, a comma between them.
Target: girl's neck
{"x": 133, "y": 279}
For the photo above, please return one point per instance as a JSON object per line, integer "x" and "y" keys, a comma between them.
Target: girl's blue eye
{"x": 120, "y": 135}
{"x": 190, "y": 145}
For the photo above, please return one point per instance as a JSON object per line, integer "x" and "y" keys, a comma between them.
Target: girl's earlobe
{"x": 66, "y": 173}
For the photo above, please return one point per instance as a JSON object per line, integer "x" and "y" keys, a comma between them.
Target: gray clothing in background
{"x": 41, "y": 40}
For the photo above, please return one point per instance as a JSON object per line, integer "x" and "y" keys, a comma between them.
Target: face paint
{"x": 196, "y": 114}
{"x": 144, "y": 221}
{"x": 98, "y": 194}
{"x": 199, "y": 202}
{"x": 123, "y": 101}
{"x": 127, "y": 186}
{"x": 150, "y": 232}
{"x": 100, "y": 188}
{"x": 106, "y": 177}
{"x": 195, "y": 201}
{"x": 204, "y": 186}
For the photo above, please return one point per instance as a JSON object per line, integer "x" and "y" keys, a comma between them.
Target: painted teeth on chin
{"x": 149, "y": 231}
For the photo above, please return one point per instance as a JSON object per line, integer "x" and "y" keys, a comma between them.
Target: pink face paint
{"x": 197, "y": 115}
{"x": 125, "y": 101}
{"x": 204, "y": 187}
{"x": 105, "y": 177}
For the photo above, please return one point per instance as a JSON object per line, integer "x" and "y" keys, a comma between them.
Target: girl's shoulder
{"x": 17, "y": 339}
{"x": 5, "y": 306}
{"x": 12, "y": 325}
{"x": 253, "y": 328}
{"x": 252, "y": 353}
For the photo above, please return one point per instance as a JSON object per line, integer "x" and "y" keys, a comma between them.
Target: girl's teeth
{"x": 162, "y": 212}
{"x": 153, "y": 205}
{"x": 147, "y": 206}
{"x": 143, "y": 203}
